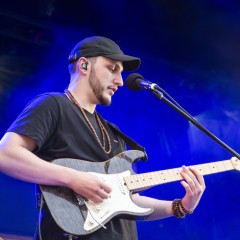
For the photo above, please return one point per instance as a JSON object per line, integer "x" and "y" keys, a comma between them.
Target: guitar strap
{"x": 129, "y": 141}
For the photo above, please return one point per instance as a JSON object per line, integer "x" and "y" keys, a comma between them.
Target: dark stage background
{"x": 190, "y": 48}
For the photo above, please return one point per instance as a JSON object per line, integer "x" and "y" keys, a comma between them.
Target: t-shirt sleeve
{"x": 38, "y": 120}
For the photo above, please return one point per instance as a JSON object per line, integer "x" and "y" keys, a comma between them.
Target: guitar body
{"x": 79, "y": 217}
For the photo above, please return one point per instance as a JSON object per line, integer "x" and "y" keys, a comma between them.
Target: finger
{"x": 198, "y": 176}
{"x": 195, "y": 176}
{"x": 191, "y": 183}
{"x": 188, "y": 172}
{"x": 195, "y": 181}
{"x": 96, "y": 199}
{"x": 101, "y": 193}
{"x": 106, "y": 188}
{"x": 187, "y": 188}
{"x": 188, "y": 175}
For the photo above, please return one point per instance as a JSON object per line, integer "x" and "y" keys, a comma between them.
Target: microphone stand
{"x": 185, "y": 114}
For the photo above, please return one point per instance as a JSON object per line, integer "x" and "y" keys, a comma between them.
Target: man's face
{"x": 105, "y": 78}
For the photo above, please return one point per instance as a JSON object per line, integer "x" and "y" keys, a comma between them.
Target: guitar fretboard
{"x": 143, "y": 181}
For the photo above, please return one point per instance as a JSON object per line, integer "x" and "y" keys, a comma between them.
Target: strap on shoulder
{"x": 129, "y": 141}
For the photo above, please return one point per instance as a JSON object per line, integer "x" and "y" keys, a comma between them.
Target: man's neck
{"x": 82, "y": 98}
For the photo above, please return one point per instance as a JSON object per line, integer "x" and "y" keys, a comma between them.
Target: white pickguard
{"x": 118, "y": 202}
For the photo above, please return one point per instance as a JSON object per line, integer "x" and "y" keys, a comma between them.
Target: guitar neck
{"x": 143, "y": 181}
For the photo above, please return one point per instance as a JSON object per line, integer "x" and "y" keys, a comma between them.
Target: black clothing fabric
{"x": 61, "y": 131}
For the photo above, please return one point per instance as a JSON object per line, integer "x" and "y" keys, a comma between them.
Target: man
{"x": 66, "y": 125}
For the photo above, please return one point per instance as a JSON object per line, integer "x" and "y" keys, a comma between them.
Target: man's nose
{"x": 118, "y": 80}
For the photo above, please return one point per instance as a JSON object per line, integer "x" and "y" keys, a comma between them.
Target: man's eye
{"x": 112, "y": 70}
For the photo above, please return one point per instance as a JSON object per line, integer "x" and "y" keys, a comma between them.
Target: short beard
{"x": 98, "y": 89}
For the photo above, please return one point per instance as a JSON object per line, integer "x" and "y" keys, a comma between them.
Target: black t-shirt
{"x": 60, "y": 131}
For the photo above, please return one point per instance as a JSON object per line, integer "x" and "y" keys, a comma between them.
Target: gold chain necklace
{"x": 101, "y": 126}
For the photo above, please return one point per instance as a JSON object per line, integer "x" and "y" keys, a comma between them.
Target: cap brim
{"x": 130, "y": 63}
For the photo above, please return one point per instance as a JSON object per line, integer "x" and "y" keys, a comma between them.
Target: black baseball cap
{"x": 102, "y": 46}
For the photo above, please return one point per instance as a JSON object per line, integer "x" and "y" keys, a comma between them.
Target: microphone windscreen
{"x": 133, "y": 81}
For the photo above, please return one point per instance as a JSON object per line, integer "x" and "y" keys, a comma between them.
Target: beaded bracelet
{"x": 184, "y": 209}
{"x": 176, "y": 209}
{"x": 177, "y": 206}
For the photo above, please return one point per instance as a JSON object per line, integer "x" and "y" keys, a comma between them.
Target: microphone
{"x": 136, "y": 82}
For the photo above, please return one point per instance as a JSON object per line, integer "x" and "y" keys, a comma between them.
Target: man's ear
{"x": 83, "y": 64}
